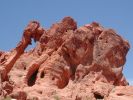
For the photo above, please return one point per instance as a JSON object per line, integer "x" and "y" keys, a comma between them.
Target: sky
{"x": 116, "y": 14}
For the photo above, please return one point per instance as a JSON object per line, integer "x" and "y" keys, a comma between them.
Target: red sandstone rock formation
{"x": 68, "y": 63}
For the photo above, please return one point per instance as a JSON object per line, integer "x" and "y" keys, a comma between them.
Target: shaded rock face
{"x": 67, "y": 63}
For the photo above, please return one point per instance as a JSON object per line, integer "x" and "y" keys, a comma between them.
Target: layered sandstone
{"x": 67, "y": 63}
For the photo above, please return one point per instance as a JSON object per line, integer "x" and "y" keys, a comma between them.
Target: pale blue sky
{"x": 116, "y": 14}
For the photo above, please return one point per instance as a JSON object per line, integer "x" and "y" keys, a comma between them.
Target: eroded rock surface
{"x": 68, "y": 63}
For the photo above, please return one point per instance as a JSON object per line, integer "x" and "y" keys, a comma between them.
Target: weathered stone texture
{"x": 68, "y": 63}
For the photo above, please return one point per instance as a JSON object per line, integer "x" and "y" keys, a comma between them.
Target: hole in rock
{"x": 98, "y": 96}
{"x": 53, "y": 78}
{"x": 31, "y": 46}
{"x": 32, "y": 78}
{"x": 24, "y": 68}
{"x": 120, "y": 94}
{"x": 42, "y": 75}
{"x": 100, "y": 38}
{"x": 106, "y": 41}
{"x": 73, "y": 69}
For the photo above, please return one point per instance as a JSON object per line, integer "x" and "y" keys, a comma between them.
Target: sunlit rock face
{"x": 67, "y": 63}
